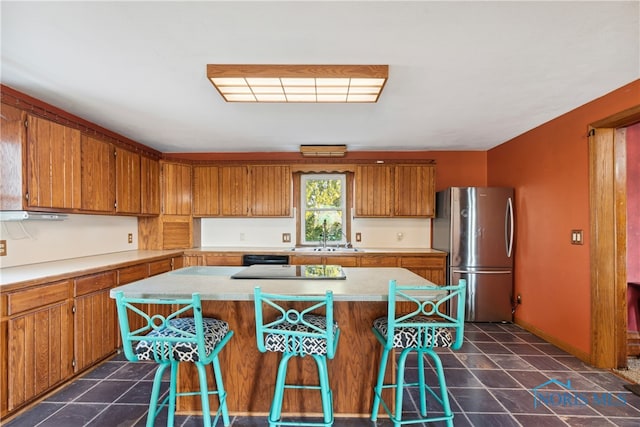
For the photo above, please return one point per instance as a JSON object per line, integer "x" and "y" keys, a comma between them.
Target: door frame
{"x": 608, "y": 229}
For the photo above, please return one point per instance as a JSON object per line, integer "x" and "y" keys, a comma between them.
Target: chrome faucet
{"x": 324, "y": 234}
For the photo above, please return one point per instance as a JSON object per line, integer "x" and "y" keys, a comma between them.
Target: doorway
{"x": 608, "y": 213}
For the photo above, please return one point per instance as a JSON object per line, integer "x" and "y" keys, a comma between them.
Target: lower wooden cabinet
{"x": 39, "y": 342}
{"x": 432, "y": 268}
{"x": 95, "y": 320}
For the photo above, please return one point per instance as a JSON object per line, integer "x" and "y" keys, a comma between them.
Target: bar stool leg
{"x": 400, "y": 386}
{"x": 378, "y": 389}
{"x": 155, "y": 393}
{"x": 222, "y": 394}
{"x": 204, "y": 395}
{"x": 171, "y": 408}
{"x": 443, "y": 387}
{"x": 325, "y": 391}
{"x": 421, "y": 384}
{"x": 278, "y": 393}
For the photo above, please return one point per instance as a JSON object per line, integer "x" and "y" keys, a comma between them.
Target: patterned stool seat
{"x": 410, "y": 337}
{"x": 281, "y": 342}
{"x": 214, "y": 331}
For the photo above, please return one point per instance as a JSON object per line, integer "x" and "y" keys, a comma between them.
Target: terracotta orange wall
{"x": 548, "y": 167}
{"x": 633, "y": 226}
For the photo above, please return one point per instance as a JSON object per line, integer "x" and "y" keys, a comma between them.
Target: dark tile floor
{"x": 502, "y": 376}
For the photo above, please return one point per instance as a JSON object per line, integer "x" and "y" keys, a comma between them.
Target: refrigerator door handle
{"x": 482, "y": 272}
{"x": 508, "y": 227}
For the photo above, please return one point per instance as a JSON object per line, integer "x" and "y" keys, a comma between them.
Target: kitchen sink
{"x": 326, "y": 249}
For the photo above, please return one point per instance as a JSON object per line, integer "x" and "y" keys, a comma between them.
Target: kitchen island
{"x": 250, "y": 375}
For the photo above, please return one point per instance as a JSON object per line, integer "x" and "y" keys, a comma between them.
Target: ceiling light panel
{"x": 298, "y": 83}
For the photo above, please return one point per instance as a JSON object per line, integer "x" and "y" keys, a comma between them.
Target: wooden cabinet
{"x": 373, "y": 191}
{"x": 222, "y": 259}
{"x": 176, "y": 189}
{"x": 234, "y": 191}
{"x": 98, "y": 175}
{"x": 431, "y": 267}
{"x": 95, "y": 320}
{"x": 39, "y": 342}
{"x": 128, "y": 182}
{"x": 344, "y": 261}
{"x": 149, "y": 186}
{"x": 12, "y": 154}
{"x": 414, "y": 190}
{"x": 255, "y": 190}
{"x": 53, "y": 165}
{"x": 395, "y": 190}
{"x": 270, "y": 190}
{"x": 206, "y": 190}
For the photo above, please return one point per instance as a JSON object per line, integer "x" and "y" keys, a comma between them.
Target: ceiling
{"x": 462, "y": 75}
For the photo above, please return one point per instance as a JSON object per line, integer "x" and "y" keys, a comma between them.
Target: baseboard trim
{"x": 584, "y": 356}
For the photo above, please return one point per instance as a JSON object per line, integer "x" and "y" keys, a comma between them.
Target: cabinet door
{"x": 373, "y": 191}
{"x": 234, "y": 190}
{"x": 176, "y": 189}
{"x": 95, "y": 319}
{"x": 205, "y": 191}
{"x": 306, "y": 260}
{"x": 431, "y": 267}
{"x": 53, "y": 167}
{"x": 222, "y": 259}
{"x": 98, "y": 175}
{"x": 149, "y": 186}
{"x": 270, "y": 190}
{"x": 128, "y": 181}
{"x": 414, "y": 190}
{"x": 95, "y": 328}
{"x": 12, "y": 153}
{"x": 40, "y": 352}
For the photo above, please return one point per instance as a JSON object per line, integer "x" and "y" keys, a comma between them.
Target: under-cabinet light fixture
{"x": 323, "y": 150}
{"x": 299, "y": 83}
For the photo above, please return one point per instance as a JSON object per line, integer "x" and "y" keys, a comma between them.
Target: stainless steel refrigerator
{"x": 475, "y": 226}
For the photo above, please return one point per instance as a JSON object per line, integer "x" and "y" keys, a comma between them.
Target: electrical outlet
{"x": 358, "y": 237}
{"x": 286, "y": 237}
{"x": 3, "y": 248}
{"x": 130, "y": 238}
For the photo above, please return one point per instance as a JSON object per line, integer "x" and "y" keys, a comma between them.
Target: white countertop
{"x": 76, "y": 266}
{"x": 215, "y": 283}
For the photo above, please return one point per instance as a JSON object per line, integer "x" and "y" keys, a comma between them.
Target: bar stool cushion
{"x": 214, "y": 331}
{"x": 310, "y": 345}
{"x": 409, "y": 337}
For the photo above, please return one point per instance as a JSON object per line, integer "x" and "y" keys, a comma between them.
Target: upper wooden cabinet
{"x": 149, "y": 186}
{"x": 373, "y": 192}
{"x": 395, "y": 190}
{"x": 128, "y": 182}
{"x": 234, "y": 190}
{"x": 414, "y": 190}
{"x": 206, "y": 190}
{"x": 241, "y": 191}
{"x": 176, "y": 189}
{"x": 98, "y": 175}
{"x": 270, "y": 190}
{"x": 53, "y": 165}
{"x": 13, "y": 186}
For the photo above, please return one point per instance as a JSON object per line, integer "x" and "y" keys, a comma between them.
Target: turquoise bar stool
{"x": 182, "y": 336}
{"x": 307, "y": 330}
{"x": 424, "y": 324}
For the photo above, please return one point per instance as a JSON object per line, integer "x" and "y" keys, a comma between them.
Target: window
{"x": 323, "y": 208}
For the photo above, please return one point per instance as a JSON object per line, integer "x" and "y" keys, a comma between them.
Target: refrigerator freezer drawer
{"x": 489, "y": 294}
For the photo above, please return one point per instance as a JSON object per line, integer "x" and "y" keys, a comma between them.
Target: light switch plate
{"x": 286, "y": 237}
{"x": 3, "y": 248}
{"x": 576, "y": 237}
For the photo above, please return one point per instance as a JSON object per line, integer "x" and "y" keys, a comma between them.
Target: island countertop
{"x": 248, "y": 374}
{"x": 215, "y": 283}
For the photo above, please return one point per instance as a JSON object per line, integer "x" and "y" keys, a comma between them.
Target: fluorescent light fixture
{"x": 323, "y": 150}
{"x": 299, "y": 83}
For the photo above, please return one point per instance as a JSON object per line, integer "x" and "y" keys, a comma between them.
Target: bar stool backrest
{"x": 295, "y": 310}
{"x": 443, "y": 305}
{"x": 163, "y": 346}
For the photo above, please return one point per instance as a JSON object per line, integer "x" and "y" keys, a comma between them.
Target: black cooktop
{"x": 300, "y": 272}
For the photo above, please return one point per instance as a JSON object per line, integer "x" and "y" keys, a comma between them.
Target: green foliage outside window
{"x": 324, "y": 201}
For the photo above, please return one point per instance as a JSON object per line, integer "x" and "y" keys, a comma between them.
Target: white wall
{"x": 30, "y": 242}
{"x": 267, "y": 232}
